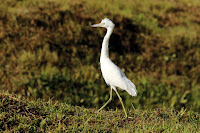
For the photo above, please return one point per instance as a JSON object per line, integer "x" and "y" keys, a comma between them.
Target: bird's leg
{"x": 121, "y": 103}
{"x": 107, "y": 101}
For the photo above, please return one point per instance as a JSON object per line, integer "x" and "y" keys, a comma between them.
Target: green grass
{"x": 18, "y": 115}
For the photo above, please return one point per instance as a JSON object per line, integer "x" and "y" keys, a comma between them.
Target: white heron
{"x": 112, "y": 74}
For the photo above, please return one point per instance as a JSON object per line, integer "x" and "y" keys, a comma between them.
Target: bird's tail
{"x": 131, "y": 89}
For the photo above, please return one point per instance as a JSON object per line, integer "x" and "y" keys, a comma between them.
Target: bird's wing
{"x": 113, "y": 75}
{"x": 130, "y": 87}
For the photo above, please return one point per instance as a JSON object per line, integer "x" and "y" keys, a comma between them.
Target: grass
{"x": 18, "y": 115}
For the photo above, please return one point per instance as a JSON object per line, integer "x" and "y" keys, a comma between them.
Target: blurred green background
{"x": 47, "y": 51}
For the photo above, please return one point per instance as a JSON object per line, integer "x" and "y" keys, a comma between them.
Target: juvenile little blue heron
{"x": 112, "y": 74}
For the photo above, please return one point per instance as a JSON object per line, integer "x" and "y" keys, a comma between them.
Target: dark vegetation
{"x": 48, "y": 52}
{"x": 22, "y": 116}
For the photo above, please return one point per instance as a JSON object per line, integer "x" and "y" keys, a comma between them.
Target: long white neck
{"x": 104, "y": 49}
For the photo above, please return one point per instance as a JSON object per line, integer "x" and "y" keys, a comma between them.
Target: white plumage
{"x": 112, "y": 74}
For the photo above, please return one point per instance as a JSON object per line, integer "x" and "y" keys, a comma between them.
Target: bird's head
{"x": 106, "y": 23}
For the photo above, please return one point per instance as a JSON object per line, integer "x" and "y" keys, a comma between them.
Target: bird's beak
{"x": 96, "y": 25}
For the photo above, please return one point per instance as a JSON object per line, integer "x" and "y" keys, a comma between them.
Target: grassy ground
{"x": 47, "y": 50}
{"x": 37, "y": 116}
